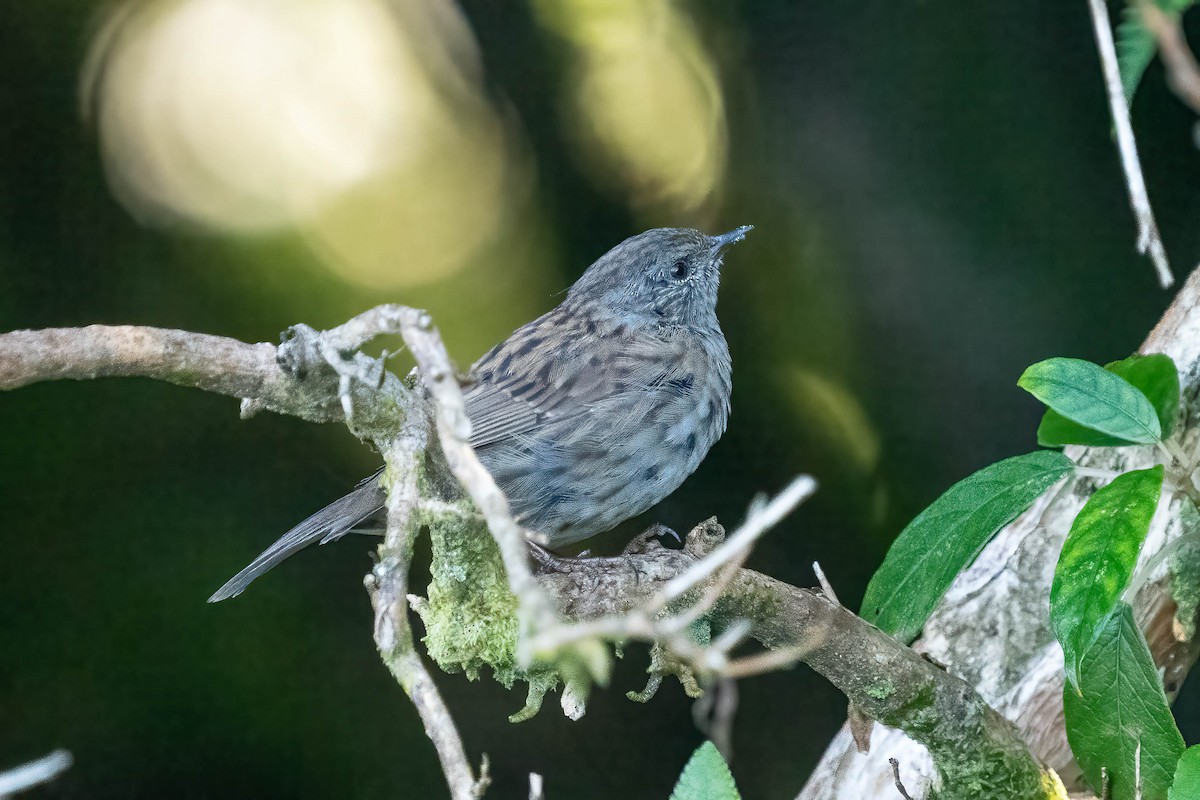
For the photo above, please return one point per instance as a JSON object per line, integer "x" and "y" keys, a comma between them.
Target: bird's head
{"x": 665, "y": 276}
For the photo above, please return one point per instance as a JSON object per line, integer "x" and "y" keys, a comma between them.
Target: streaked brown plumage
{"x": 593, "y": 412}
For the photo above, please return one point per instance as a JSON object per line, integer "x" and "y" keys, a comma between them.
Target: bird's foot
{"x": 547, "y": 561}
{"x": 650, "y": 539}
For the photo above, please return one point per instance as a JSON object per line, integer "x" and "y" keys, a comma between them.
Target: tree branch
{"x": 992, "y": 627}
{"x": 35, "y": 773}
{"x": 262, "y": 375}
{"x": 387, "y": 586}
{"x": 321, "y": 376}
{"x": 889, "y": 681}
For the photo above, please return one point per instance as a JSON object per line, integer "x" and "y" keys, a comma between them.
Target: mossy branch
{"x": 322, "y": 376}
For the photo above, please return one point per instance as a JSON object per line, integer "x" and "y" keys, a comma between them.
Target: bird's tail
{"x": 329, "y": 524}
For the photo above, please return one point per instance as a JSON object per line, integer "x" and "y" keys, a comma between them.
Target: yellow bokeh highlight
{"x": 643, "y": 102}
{"x": 243, "y": 116}
{"x": 360, "y": 124}
{"x": 836, "y": 418}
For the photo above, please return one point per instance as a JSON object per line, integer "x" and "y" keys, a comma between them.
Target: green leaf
{"x": 1156, "y": 377}
{"x": 1186, "y": 785}
{"x": 1121, "y": 705}
{"x": 1094, "y": 397}
{"x": 1136, "y": 45}
{"x": 705, "y": 777}
{"x": 1098, "y": 558}
{"x": 946, "y": 537}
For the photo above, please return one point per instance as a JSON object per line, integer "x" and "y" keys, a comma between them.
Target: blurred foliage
{"x": 1136, "y": 45}
{"x": 934, "y": 211}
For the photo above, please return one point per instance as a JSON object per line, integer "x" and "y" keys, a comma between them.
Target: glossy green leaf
{"x": 1186, "y": 785}
{"x": 945, "y": 538}
{"x": 1122, "y": 705}
{"x": 705, "y": 777}
{"x": 1098, "y": 558}
{"x": 1154, "y": 375}
{"x": 1093, "y": 397}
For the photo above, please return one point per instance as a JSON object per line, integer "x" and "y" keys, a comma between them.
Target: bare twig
{"x": 257, "y": 373}
{"x": 454, "y": 433}
{"x": 714, "y": 569}
{"x": 387, "y": 586}
{"x": 35, "y": 773}
{"x": 826, "y": 587}
{"x": 767, "y": 661}
{"x": 737, "y": 545}
{"x": 714, "y": 713}
{"x": 1149, "y": 241}
{"x": 899, "y": 783}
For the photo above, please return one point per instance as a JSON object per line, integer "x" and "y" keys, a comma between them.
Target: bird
{"x": 593, "y": 412}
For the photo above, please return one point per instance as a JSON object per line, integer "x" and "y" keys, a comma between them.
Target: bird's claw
{"x": 547, "y": 561}
{"x": 649, "y": 539}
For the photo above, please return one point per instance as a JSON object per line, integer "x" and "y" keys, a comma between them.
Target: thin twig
{"x": 1149, "y": 241}
{"x": 35, "y": 773}
{"x": 454, "y": 432}
{"x": 826, "y": 586}
{"x": 1093, "y": 472}
{"x": 714, "y": 713}
{"x": 899, "y": 783}
{"x": 387, "y": 585}
{"x": 641, "y": 623}
{"x": 766, "y": 661}
{"x": 795, "y": 493}
{"x": 766, "y": 514}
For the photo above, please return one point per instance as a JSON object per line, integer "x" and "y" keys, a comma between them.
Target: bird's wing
{"x": 524, "y": 382}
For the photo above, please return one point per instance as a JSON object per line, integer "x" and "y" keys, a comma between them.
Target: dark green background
{"x": 938, "y": 203}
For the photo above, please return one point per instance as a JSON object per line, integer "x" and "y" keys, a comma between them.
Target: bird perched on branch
{"x": 593, "y": 412}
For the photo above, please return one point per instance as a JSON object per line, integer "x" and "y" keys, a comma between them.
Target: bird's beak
{"x": 719, "y": 243}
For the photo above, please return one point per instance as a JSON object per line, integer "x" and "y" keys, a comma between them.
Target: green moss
{"x": 1184, "y": 566}
{"x": 471, "y": 616}
{"x": 882, "y": 690}
{"x": 390, "y": 414}
{"x": 997, "y": 778}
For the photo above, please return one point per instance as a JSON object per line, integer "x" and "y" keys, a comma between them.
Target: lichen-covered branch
{"x": 980, "y": 753}
{"x": 387, "y": 586}
{"x": 992, "y": 628}
{"x": 322, "y": 376}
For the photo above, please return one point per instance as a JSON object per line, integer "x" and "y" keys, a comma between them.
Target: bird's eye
{"x": 680, "y": 270}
